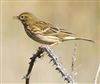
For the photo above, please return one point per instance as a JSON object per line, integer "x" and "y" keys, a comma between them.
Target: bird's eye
{"x": 22, "y": 17}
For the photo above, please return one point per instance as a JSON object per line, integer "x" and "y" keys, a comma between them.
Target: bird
{"x": 44, "y": 32}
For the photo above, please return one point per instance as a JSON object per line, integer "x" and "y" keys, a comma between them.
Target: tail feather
{"x": 85, "y": 39}
{"x": 77, "y": 38}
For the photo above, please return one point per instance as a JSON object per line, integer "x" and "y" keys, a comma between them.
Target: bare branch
{"x": 97, "y": 75}
{"x": 33, "y": 58}
{"x": 55, "y": 60}
{"x": 59, "y": 67}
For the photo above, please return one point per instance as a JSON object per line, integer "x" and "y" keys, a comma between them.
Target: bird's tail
{"x": 76, "y": 38}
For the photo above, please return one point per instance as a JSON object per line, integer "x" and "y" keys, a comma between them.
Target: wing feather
{"x": 48, "y": 29}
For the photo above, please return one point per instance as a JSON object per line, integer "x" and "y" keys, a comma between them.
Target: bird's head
{"x": 26, "y": 18}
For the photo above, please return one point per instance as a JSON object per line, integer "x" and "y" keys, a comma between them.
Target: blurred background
{"x": 79, "y": 17}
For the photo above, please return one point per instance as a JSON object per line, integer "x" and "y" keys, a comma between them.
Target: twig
{"x": 33, "y": 58}
{"x": 74, "y": 57}
{"x": 59, "y": 67}
{"x": 55, "y": 60}
{"x": 97, "y": 75}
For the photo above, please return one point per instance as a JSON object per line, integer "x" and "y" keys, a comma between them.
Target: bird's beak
{"x": 15, "y": 17}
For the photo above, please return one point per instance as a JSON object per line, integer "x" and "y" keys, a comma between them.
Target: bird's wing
{"x": 49, "y": 29}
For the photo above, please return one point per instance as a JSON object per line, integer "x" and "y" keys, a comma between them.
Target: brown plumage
{"x": 44, "y": 32}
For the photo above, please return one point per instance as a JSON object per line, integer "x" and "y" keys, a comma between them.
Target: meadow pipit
{"x": 44, "y": 32}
